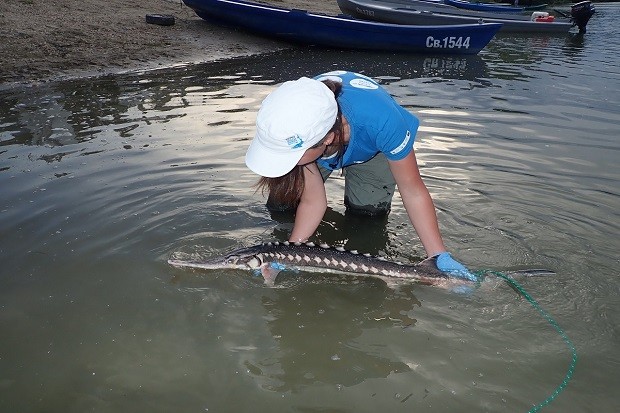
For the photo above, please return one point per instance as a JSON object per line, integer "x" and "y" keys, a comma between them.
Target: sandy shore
{"x": 43, "y": 40}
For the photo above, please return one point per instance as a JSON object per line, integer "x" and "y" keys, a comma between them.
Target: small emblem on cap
{"x": 294, "y": 142}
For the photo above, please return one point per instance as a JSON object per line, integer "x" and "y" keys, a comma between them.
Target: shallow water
{"x": 103, "y": 180}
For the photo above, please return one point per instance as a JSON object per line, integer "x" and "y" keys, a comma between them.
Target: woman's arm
{"x": 312, "y": 205}
{"x": 418, "y": 203}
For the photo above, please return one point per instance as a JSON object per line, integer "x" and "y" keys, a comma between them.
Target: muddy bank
{"x": 43, "y": 40}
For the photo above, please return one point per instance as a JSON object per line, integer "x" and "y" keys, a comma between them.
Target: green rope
{"x": 553, "y": 323}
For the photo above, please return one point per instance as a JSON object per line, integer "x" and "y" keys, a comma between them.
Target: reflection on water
{"x": 75, "y": 112}
{"x": 103, "y": 179}
{"x": 331, "y": 352}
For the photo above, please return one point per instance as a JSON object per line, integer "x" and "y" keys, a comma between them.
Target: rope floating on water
{"x": 571, "y": 368}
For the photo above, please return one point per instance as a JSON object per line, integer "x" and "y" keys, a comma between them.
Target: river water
{"x": 102, "y": 180}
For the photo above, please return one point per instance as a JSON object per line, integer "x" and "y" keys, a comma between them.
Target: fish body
{"x": 272, "y": 257}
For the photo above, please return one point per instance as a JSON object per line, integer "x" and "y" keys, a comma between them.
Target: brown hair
{"x": 286, "y": 190}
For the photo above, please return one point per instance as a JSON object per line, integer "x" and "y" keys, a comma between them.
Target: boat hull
{"x": 344, "y": 32}
{"x": 424, "y": 12}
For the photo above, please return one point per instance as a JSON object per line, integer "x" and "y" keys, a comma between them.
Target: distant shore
{"x": 46, "y": 40}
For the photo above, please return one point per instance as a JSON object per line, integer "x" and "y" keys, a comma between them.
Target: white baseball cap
{"x": 291, "y": 119}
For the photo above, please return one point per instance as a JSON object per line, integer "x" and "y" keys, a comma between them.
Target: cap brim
{"x": 270, "y": 164}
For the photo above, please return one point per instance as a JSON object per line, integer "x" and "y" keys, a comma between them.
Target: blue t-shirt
{"x": 377, "y": 122}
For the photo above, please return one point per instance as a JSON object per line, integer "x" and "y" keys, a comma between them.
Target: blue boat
{"x": 344, "y": 32}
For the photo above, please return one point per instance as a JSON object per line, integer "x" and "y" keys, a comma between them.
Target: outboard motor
{"x": 581, "y": 13}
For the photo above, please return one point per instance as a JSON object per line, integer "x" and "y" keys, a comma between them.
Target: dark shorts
{"x": 368, "y": 187}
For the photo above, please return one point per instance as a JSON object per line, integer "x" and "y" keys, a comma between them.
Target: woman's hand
{"x": 445, "y": 263}
{"x": 312, "y": 205}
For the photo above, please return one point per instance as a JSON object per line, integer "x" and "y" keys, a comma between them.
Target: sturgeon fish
{"x": 272, "y": 257}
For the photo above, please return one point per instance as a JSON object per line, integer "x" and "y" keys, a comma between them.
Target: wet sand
{"x": 47, "y": 40}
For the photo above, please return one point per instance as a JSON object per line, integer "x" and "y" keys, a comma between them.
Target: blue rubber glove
{"x": 445, "y": 263}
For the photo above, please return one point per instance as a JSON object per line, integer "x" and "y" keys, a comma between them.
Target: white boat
{"x": 492, "y": 7}
{"x": 424, "y": 12}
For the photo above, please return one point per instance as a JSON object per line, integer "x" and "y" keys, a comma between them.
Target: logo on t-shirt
{"x": 363, "y": 84}
{"x": 403, "y": 144}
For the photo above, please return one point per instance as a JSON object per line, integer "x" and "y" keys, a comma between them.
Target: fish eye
{"x": 254, "y": 262}
{"x": 232, "y": 259}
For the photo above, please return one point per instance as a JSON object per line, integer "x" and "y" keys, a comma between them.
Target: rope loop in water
{"x": 571, "y": 368}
